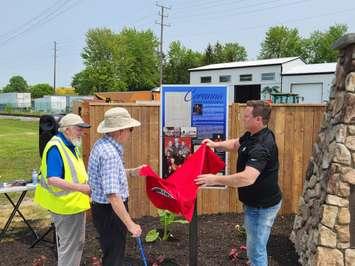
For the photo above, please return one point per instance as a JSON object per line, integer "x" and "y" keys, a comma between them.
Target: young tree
{"x": 100, "y": 57}
{"x": 318, "y": 47}
{"x": 179, "y": 60}
{"x": 229, "y": 52}
{"x": 100, "y": 46}
{"x": 39, "y": 90}
{"x": 138, "y": 50}
{"x": 97, "y": 79}
{"x": 281, "y": 41}
{"x": 218, "y": 53}
{"x": 208, "y": 56}
{"x": 233, "y": 52}
{"x": 118, "y": 61}
{"x": 16, "y": 84}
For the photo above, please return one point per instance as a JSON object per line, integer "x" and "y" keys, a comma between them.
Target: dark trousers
{"x": 112, "y": 233}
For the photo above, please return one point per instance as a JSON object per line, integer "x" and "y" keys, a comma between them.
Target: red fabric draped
{"x": 178, "y": 192}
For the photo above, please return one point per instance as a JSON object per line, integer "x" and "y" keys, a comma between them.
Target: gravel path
{"x": 22, "y": 118}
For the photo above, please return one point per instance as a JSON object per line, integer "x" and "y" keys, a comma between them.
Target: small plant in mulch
{"x": 41, "y": 261}
{"x": 238, "y": 255}
{"x": 166, "y": 220}
{"x": 95, "y": 261}
{"x": 162, "y": 261}
{"x": 241, "y": 232}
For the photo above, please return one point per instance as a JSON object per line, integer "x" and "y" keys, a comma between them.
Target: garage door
{"x": 309, "y": 92}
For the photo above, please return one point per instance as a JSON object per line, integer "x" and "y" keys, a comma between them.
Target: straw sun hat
{"x": 116, "y": 119}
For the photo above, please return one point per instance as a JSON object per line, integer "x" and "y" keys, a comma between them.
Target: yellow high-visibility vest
{"x": 55, "y": 199}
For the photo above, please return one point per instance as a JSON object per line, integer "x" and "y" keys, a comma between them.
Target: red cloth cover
{"x": 178, "y": 192}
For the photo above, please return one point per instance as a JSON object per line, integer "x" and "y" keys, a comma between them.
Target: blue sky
{"x": 29, "y": 28}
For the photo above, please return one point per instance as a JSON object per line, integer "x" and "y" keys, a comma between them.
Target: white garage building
{"x": 257, "y": 79}
{"x": 312, "y": 82}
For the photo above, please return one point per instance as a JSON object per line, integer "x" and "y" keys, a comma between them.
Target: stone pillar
{"x": 324, "y": 227}
{"x": 352, "y": 216}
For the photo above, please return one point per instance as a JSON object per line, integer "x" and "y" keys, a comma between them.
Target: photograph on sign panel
{"x": 197, "y": 109}
{"x": 176, "y": 150}
{"x": 188, "y": 132}
{"x": 172, "y": 131}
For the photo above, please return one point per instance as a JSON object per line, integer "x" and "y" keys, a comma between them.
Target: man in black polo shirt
{"x": 256, "y": 178}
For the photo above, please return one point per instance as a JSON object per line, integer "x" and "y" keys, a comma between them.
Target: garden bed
{"x": 217, "y": 235}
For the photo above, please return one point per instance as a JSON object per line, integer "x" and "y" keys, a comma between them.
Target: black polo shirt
{"x": 260, "y": 152}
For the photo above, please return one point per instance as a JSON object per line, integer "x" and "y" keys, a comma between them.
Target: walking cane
{"x": 141, "y": 249}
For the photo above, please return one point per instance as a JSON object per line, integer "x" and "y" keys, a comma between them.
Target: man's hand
{"x": 135, "y": 171}
{"x": 206, "y": 180}
{"x": 210, "y": 143}
{"x": 135, "y": 229}
{"x": 85, "y": 189}
{"x": 138, "y": 169}
{"x": 230, "y": 145}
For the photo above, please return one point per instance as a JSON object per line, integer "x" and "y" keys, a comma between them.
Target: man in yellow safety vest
{"x": 63, "y": 188}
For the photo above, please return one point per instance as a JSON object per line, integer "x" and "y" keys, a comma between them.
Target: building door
{"x": 244, "y": 93}
{"x": 308, "y": 92}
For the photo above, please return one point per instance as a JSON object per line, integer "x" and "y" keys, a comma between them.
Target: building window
{"x": 225, "y": 78}
{"x": 206, "y": 79}
{"x": 268, "y": 76}
{"x": 246, "y": 77}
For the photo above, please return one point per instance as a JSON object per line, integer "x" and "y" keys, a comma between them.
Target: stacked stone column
{"x": 321, "y": 231}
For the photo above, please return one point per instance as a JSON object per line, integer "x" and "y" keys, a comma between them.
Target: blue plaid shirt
{"x": 106, "y": 171}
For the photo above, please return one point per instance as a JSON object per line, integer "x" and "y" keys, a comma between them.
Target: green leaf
{"x": 152, "y": 236}
{"x": 170, "y": 217}
{"x": 181, "y": 221}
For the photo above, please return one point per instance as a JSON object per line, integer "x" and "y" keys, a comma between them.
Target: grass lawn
{"x": 18, "y": 149}
{"x": 18, "y": 156}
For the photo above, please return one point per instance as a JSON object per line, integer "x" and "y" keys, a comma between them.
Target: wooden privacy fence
{"x": 295, "y": 127}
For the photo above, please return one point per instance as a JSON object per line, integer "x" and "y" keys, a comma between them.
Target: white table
{"x": 6, "y": 191}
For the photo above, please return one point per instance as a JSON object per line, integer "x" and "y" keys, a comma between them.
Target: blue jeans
{"x": 258, "y": 223}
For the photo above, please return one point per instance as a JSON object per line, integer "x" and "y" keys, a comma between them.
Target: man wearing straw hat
{"x": 108, "y": 182}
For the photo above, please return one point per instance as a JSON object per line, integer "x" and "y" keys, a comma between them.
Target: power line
{"x": 41, "y": 21}
{"x": 207, "y": 4}
{"x": 140, "y": 20}
{"x": 228, "y": 7}
{"x": 25, "y": 24}
{"x": 204, "y": 4}
{"x": 232, "y": 12}
{"x": 277, "y": 23}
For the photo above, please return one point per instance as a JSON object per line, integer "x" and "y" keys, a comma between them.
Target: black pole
{"x": 55, "y": 66}
{"x": 193, "y": 241}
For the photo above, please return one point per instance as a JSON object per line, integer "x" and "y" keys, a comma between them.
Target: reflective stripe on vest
{"x": 43, "y": 181}
{"x": 56, "y": 199}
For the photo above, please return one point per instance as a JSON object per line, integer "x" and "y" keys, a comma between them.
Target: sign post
{"x": 193, "y": 238}
{"x": 190, "y": 114}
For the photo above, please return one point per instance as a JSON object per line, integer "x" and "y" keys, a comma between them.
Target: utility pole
{"x": 55, "y": 65}
{"x": 161, "y": 23}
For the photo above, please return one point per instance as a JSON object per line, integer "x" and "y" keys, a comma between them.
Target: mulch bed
{"x": 217, "y": 235}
